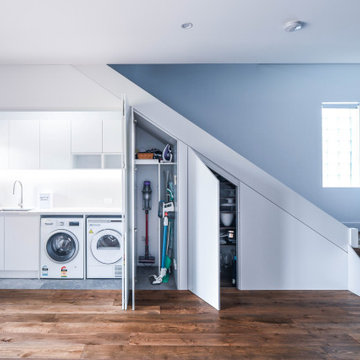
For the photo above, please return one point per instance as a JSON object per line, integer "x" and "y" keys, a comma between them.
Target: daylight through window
{"x": 340, "y": 145}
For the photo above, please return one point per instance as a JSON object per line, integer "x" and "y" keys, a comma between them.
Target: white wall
{"x": 279, "y": 252}
{"x": 70, "y": 188}
{"x": 52, "y": 88}
{"x": 49, "y": 87}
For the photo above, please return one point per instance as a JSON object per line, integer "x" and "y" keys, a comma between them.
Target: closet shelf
{"x": 152, "y": 162}
{"x": 146, "y": 161}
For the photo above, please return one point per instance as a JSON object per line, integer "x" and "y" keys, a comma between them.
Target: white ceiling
{"x": 149, "y": 31}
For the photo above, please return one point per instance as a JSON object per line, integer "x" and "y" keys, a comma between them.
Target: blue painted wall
{"x": 271, "y": 114}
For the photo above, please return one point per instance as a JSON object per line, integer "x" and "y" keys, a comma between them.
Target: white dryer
{"x": 104, "y": 247}
{"x": 62, "y": 247}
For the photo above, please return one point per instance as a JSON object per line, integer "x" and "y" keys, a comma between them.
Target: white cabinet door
{"x": 86, "y": 135}
{"x": 113, "y": 136}
{"x": 131, "y": 207}
{"x": 2, "y": 244}
{"x": 4, "y": 144}
{"x": 22, "y": 239}
{"x": 127, "y": 259}
{"x": 279, "y": 252}
{"x": 203, "y": 231}
{"x": 24, "y": 144}
{"x": 55, "y": 144}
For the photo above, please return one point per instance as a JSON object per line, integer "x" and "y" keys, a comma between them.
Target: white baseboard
{"x": 353, "y": 272}
{"x": 19, "y": 274}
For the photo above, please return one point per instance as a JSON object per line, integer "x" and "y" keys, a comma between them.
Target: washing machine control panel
{"x": 62, "y": 223}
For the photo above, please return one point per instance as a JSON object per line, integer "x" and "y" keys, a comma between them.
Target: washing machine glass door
{"x": 106, "y": 246}
{"x": 62, "y": 246}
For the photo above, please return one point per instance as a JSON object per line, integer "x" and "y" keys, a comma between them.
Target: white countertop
{"x": 65, "y": 211}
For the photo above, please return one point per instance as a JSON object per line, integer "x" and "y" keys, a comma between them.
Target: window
{"x": 340, "y": 145}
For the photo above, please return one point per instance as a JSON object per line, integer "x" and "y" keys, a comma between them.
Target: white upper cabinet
{"x": 55, "y": 144}
{"x": 86, "y": 135}
{"x": 24, "y": 144}
{"x": 4, "y": 144}
{"x": 113, "y": 136}
{"x": 61, "y": 140}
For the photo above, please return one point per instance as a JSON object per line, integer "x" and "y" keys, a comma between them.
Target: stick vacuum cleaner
{"x": 146, "y": 191}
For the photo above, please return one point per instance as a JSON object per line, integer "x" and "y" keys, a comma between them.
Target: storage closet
{"x": 228, "y": 232}
{"x": 154, "y": 178}
{"x": 205, "y": 221}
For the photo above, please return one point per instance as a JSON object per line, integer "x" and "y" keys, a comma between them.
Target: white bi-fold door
{"x": 203, "y": 231}
{"x": 131, "y": 250}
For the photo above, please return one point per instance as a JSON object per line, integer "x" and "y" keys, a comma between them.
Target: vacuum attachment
{"x": 147, "y": 259}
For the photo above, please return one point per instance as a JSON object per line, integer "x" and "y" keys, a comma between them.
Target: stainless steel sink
{"x": 16, "y": 209}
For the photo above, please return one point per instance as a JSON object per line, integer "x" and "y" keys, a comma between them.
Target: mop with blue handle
{"x": 154, "y": 279}
{"x": 166, "y": 210}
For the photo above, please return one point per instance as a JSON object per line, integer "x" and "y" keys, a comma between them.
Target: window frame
{"x": 325, "y": 183}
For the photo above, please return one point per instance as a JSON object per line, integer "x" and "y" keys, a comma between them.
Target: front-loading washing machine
{"x": 104, "y": 238}
{"x": 62, "y": 247}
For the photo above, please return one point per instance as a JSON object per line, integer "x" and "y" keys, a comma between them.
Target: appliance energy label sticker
{"x": 63, "y": 271}
{"x": 44, "y": 270}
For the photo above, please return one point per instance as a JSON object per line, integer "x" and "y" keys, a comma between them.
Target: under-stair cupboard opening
{"x": 155, "y": 214}
{"x": 228, "y": 223}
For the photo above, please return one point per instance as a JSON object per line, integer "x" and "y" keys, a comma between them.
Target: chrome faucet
{"x": 21, "y": 203}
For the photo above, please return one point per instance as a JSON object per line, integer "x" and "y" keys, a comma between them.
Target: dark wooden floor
{"x": 58, "y": 324}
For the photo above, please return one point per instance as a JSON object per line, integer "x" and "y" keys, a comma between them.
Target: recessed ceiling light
{"x": 294, "y": 25}
{"x": 187, "y": 26}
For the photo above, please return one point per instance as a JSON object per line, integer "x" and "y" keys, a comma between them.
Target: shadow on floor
{"x": 143, "y": 283}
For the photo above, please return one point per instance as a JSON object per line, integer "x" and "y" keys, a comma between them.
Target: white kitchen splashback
{"x": 70, "y": 188}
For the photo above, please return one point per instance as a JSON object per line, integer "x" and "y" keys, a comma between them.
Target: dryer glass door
{"x": 106, "y": 246}
{"x": 62, "y": 246}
